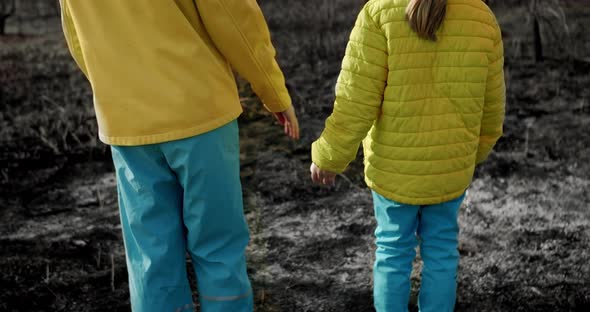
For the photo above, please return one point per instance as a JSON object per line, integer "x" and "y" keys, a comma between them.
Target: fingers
{"x": 286, "y": 129}
{"x": 279, "y": 117}
{"x": 323, "y": 177}
{"x": 290, "y": 123}
{"x": 295, "y": 125}
{"x": 315, "y": 177}
{"x": 329, "y": 179}
{"x": 296, "y": 129}
{"x": 292, "y": 130}
{"x": 290, "y": 127}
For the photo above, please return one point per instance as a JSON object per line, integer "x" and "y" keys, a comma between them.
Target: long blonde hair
{"x": 426, "y": 16}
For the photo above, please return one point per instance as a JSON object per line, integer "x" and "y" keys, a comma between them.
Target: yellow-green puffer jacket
{"x": 432, "y": 110}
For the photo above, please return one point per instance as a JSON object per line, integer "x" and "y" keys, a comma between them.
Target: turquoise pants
{"x": 178, "y": 197}
{"x": 399, "y": 229}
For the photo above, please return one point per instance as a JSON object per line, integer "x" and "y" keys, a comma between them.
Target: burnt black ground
{"x": 525, "y": 224}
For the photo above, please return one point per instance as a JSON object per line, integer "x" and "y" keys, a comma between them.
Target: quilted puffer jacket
{"x": 428, "y": 111}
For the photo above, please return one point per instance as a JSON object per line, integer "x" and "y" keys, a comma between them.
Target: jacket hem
{"x": 413, "y": 200}
{"x": 168, "y": 136}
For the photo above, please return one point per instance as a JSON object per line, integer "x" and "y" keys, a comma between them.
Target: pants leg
{"x": 438, "y": 232}
{"x": 396, "y": 242}
{"x": 150, "y": 202}
{"x": 209, "y": 170}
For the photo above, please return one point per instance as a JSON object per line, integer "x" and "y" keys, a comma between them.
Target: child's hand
{"x": 289, "y": 120}
{"x": 320, "y": 176}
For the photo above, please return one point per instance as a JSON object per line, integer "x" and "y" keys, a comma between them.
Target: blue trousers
{"x": 400, "y": 228}
{"x": 178, "y": 197}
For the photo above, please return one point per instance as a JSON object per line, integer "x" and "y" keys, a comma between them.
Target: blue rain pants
{"x": 400, "y": 228}
{"x": 178, "y": 197}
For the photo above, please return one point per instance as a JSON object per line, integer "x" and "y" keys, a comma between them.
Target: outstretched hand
{"x": 289, "y": 121}
{"x": 320, "y": 176}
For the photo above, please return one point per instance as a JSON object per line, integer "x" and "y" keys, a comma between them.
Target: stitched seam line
{"x": 431, "y": 67}
{"x": 434, "y": 52}
{"x": 434, "y": 98}
{"x": 448, "y": 36}
{"x": 358, "y": 43}
{"x": 269, "y": 80}
{"x": 359, "y": 88}
{"x": 426, "y": 146}
{"x": 353, "y": 132}
{"x": 353, "y": 101}
{"x": 428, "y": 131}
{"x": 422, "y": 160}
{"x": 434, "y": 115}
{"x": 331, "y": 146}
{"x": 435, "y": 82}
{"x": 370, "y": 30}
{"x": 341, "y": 112}
{"x": 387, "y": 8}
{"x": 403, "y": 7}
{"x": 355, "y": 73}
{"x": 371, "y": 20}
{"x": 334, "y": 147}
{"x": 450, "y": 19}
{"x": 422, "y": 175}
{"x": 358, "y": 58}
{"x": 368, "y": 46}
{"x": 326, "y": 160}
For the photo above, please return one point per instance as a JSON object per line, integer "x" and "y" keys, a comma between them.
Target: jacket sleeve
{"x": 71, "y": 36}
{"x": 239, "y": 31}
{"x": 359, "y": 96}
{"x": 495, "y": 100}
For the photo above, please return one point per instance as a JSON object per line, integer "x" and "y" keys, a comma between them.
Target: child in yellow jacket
{"x": 422, "y": 85}
{"x": 166, "y": 101}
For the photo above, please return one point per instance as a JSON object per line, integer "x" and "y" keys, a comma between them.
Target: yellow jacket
{"x": 432, "y": 110}
{"x": 161, "y": 70}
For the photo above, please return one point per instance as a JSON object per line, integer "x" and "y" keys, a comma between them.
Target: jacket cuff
{"x": 277, "y": 104}
{"x": 483, "y": 151}
{"x": 319, "y": 159}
